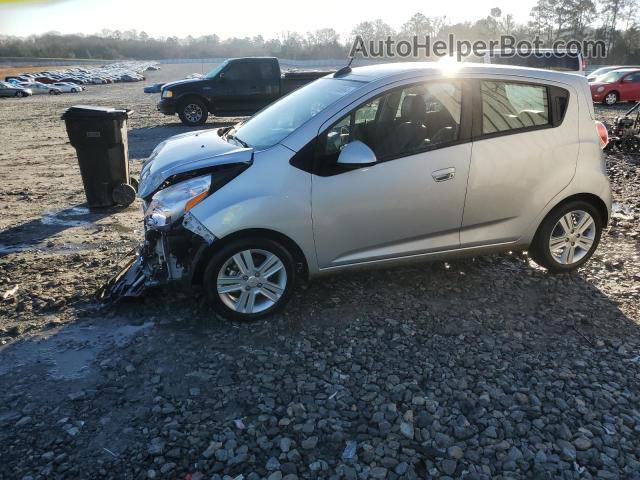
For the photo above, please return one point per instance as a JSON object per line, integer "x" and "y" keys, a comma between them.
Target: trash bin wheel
{"x": 124, "y": 194}
{"x": 134, "y": 183}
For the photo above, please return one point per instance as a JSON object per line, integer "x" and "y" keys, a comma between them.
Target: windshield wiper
{"x": 236, "y": 139}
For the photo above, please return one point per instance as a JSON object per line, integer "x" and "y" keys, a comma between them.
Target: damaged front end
{"x": 164, "y": 257}
{"x": 175, "y": 239}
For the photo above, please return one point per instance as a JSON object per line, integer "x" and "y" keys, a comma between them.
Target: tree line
{"x": 614, "y": 21}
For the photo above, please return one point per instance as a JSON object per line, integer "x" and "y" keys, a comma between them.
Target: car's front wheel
{"x": 567, "y": 237}
{"x": 19, "y": 94}
{"x": 249, "y": 278}
{"x": 610, "y": 98}
{"x": 193, "y": 112}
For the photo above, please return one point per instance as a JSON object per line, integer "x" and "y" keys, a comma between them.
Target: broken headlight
{"x": 170, "y": 204}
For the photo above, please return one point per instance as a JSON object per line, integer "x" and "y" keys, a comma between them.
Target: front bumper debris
{"x": 164, "y": 257}
{"x": 130, "y": 281}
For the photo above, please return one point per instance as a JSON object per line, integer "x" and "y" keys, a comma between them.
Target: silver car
{"x": 375, "y": 166}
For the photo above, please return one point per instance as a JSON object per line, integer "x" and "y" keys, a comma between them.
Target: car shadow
{"x": 496, "y": 294}
{"x": 33, "y": 235}
{"x": 143, "y": 140}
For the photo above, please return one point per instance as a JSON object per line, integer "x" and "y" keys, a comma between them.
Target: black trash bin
{"x": 99, "y": 135}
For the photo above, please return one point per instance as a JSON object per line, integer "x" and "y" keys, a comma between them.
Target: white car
{"x": 40, "y": 89}
{"x": 68, "y": 87}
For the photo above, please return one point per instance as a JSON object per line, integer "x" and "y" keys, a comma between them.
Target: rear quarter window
{"x": 510, "y": 106}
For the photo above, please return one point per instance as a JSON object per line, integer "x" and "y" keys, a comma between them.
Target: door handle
{"x": 444, "y": 174}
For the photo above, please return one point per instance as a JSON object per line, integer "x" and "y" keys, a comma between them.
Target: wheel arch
{"x": 594, "y": 200}
{"x": 191, "y": 96}
{"x": 203, "y": 258}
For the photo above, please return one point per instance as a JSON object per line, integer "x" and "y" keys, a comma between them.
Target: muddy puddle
{"x": 66, "y": 352}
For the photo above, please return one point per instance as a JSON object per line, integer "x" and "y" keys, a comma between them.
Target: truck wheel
{"x": 193, "y": 112}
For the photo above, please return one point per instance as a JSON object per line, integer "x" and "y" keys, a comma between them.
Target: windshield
{"x": 217, "y": 70}
{"x": 611, "y": 77}
{"x": 601, "y": 71}
{"x": 279, "y": 119}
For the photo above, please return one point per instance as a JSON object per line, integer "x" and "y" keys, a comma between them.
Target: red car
{"x": 617, "y": 86}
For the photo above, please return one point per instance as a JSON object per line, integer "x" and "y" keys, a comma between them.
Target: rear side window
{"x": 510, "y": 106}
{"x": 238, "y": 71}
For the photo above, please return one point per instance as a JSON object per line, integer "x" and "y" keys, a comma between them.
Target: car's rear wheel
{"x": 567, "y": 237}
{"x": 19, "y": 94}
{"x": 249, "y": 278}
{"x": 193, "y": 112}
{"x": 610, "y": 98}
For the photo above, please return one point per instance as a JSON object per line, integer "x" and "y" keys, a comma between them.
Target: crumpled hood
{"x": 187, "y": 152}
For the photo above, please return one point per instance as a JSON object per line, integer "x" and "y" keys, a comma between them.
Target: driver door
{"x": 411, "y": 201}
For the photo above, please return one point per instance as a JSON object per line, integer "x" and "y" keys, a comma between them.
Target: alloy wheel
{"x": 611, "y": 98}
{"x": 572, "y": 237}
{"x": 251, "y": 281}
{"x": 193, "y": 112}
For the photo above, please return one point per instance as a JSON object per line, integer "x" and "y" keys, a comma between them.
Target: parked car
{"x": 45, "y": 80}
{"x": 617, "y": 86}
{"x": 67, "y": 87}
{"x": 602, "y": 70}
{"x": 239, "y": 86}
{"x": 12, "y": 90}
{"x": 375, "y": 166}
{"x": 155, "y": 88}
{"x": 41, "y": 88}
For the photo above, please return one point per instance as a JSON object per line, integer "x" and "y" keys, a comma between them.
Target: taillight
{"x": 603, "y": 134}
{"x": 584, "y": 64}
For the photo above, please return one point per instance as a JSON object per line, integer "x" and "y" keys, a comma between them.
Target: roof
{"x": 400, "y": 70}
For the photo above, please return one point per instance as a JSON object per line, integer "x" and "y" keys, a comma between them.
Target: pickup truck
{"x": 237, "y": 87}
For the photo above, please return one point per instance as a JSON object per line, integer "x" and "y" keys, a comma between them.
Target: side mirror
{"x": 356, "y": 155}
{"x": 221, "y": 75}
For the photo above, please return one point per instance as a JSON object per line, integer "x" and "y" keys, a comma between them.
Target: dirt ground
{"x": 480, "y": 368}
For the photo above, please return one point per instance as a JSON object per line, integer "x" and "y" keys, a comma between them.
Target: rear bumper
{"x": 167, "y": 106}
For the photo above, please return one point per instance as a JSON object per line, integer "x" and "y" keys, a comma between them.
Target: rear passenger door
{"x": 525, "y": 149}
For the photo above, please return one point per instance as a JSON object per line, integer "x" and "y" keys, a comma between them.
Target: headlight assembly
{"x": 600, "y": 89}
{"x": 170, "y": 204}
{"x": 167, "y": 94}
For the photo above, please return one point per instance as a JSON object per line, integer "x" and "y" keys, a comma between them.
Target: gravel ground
{"x": 480, "y": 368}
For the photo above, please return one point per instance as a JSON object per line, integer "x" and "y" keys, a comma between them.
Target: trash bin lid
{"x": 92, "y": 111}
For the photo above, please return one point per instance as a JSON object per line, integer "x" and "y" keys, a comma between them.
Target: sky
{"x": 232, "y": 18}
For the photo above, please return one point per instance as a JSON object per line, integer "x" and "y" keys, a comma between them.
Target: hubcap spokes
{"x": 252, "y": 281}
{"x": 572, "y": 237}
{"x": 193, "y": 112}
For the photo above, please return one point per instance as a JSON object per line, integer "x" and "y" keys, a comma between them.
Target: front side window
{"x": 399, "y": 123}
{"x": 512, "y": 106}
{"x": 633, "y": 78}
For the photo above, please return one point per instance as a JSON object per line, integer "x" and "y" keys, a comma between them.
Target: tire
{"x": 193, "y": 112}
{"x": 19, "y": 94}
{"x": 610, "y": 98}
{"x": 247, "y": 290}
{"x": 52, "y": 92}
{"x": 571, "y": 250}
